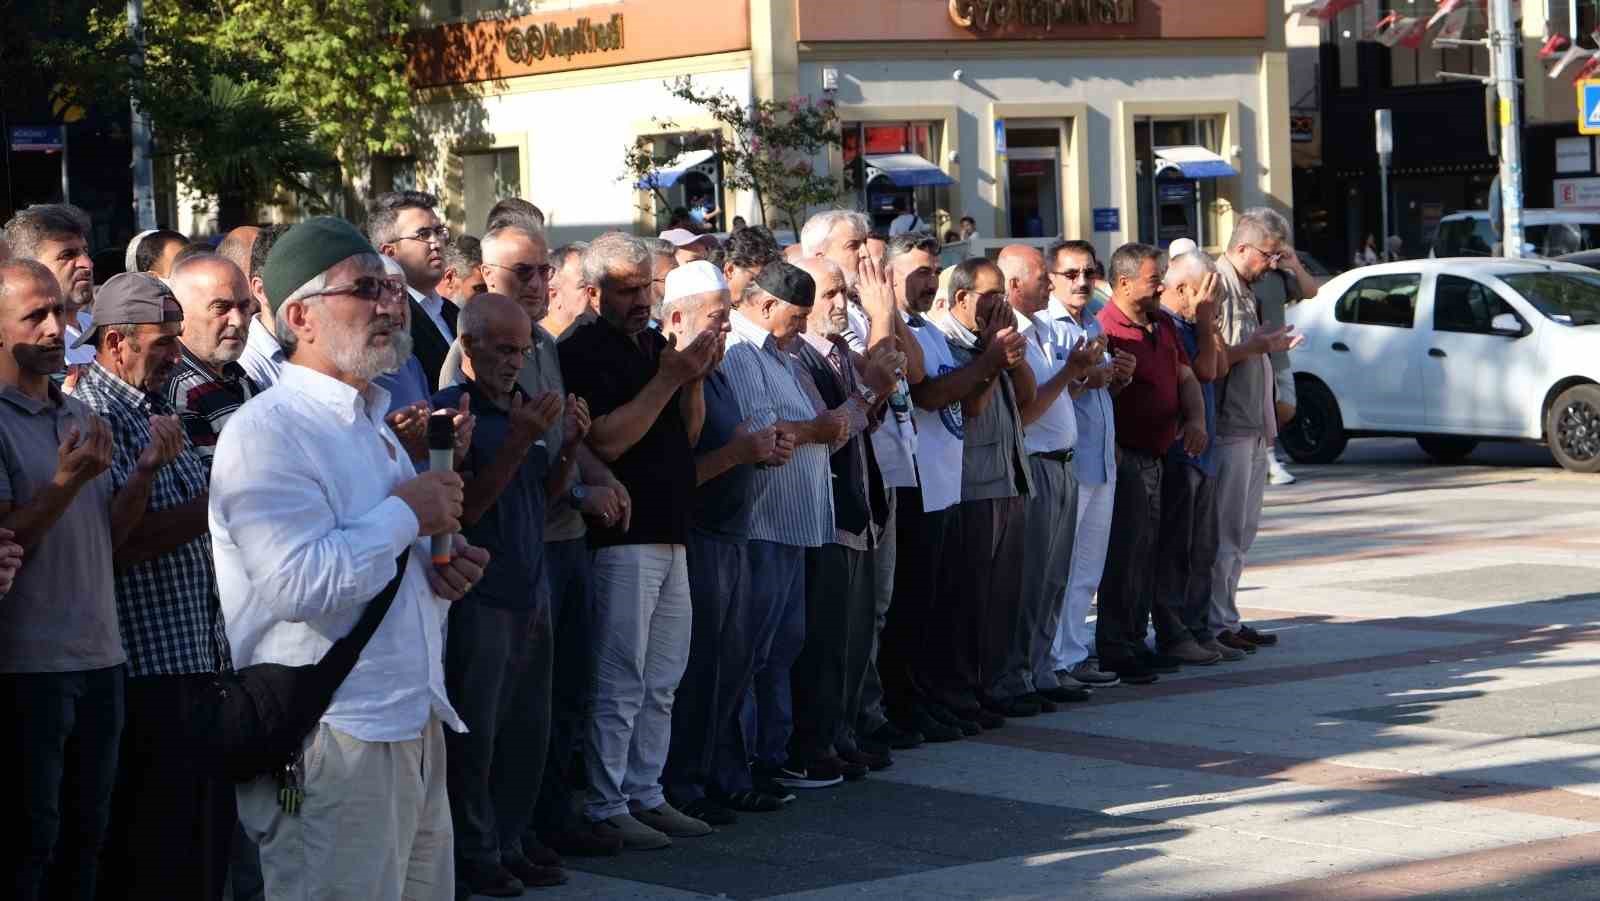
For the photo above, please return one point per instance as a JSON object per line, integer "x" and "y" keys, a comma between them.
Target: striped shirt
{"x": 793, "y": 502}
{"x": 167, "y": 605}
{"x": 205, "y": 400}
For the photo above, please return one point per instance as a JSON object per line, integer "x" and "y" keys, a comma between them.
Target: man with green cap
{"x": 313, "y": 499}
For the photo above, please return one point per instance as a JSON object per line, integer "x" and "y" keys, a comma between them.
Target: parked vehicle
{"x": 1452, "y": 352}
{"x": 1545, "y": 233}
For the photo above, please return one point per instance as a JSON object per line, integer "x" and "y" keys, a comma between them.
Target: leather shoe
{"x": 1066, "y": 694}
{"x": 1264, "y": 639}
{"x": 893, "y": 736}
{"x": 1232, "y": 640}
{"x": 1190, "y": 652}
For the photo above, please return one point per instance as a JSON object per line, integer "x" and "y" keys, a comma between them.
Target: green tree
{"x": 767, "y": 149}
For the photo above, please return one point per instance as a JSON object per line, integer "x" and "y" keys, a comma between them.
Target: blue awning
{"x": 906, "y": 170}
{"x": 1193, "y": 162}
{"x": 667, "y": 176}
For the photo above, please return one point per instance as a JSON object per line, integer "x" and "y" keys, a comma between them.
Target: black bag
{"x": 256, "y": 719}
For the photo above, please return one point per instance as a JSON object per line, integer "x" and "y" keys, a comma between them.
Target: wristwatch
{"x": 578, "y": 494}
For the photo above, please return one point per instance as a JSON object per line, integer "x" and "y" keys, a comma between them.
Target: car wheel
{"x": 1316, "y": 434}
{"x": 1445, "y": 449}
{"x": 1572, "y": 426}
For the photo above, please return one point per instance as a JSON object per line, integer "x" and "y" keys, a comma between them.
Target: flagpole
{"x": 1503, "y": 43}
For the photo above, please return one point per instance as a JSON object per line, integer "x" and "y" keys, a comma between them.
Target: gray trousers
{"x": 883, "y": 556}
{"x": 1052, "y": 518}
{"x": 1241, "y": 484}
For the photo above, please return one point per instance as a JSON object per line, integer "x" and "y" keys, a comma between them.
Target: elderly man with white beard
{"x": 312, "y": 500}
{"x": 209, "y": 385}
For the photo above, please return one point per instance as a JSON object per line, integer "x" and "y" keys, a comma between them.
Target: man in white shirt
{"x": 1051, "y": 436}
{"x": 312, "y": 498}
{"x": 403, "y": 225}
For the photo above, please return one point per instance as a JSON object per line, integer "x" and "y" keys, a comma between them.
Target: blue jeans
{"x": 778, "y": 602}
{"x": 61, "y": 741}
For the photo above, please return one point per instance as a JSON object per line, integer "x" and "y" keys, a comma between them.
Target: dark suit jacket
{"x": 427, "y": 344}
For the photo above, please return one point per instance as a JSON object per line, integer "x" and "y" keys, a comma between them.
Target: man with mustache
{"x": 403, "y": 225}
{"x": 171, "y": 820}
{"x": 314, "y": 500}
{"x": 61, "y": 656}
{"x": 209, "y": 384}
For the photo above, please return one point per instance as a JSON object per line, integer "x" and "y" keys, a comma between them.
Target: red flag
{"x": 1555, "y": 44}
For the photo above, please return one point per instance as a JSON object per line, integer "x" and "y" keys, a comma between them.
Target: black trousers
{"x": 1188, "y": 549}
{"x": 1128, "y": 584}
{"x": 840, "y": 615}
{"x": 172, "y": 821}
{"x": 905, "y": 657}
{"x": 980, "y": 601}
{"x": 497, "y": 671}
{"x": 60, "y": 762}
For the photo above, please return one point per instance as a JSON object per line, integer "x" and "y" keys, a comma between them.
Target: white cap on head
{"x": 697, "y": 277}
{"x": 1180, "y": 247}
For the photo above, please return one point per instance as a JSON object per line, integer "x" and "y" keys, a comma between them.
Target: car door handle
{"x": 1340, "y": 346}
{"x": 1436, "y": 352}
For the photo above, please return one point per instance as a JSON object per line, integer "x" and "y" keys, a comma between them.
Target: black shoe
{"x": 931, "y": 729}
{"x": 1017, "y": 707}
{"x": 708, "y": 811}
{"x": 1044, "y": 704}
{"x": 1129, "y": 673}
{"x": 1161, "y": 663}
{"x": 533, "y": 875}
{"x": 1064, "y": 695}
{"x": 893, "y": 736}
{"x": 966, "y": 724}
{"x": 860, "y": 755}
{"x": 495, "y": 881}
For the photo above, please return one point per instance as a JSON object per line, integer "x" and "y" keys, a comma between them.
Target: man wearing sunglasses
{"x": 1247, "y": 423}
{"x": 403, "y": 225}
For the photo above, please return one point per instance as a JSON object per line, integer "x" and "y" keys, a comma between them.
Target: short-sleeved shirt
{"x": 1204, "y": 462}
{"x": 608, "y": 369}
{"x": 205, "y": 399}
{"x": 512, "y": 529}
{"x": 61, "y": 613}
{"x": 722, "y": 505}
{"x": 167, "y": 605}
{"x": 1147, "y": 409}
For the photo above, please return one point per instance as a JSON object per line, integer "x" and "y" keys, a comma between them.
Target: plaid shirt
{"x": 206, "y": 400}
{"x": 167, "y": 606}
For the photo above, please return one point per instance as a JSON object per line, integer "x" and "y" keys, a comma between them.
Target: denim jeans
{"x": 62, "y": 737}
{"x": 642, "y": 631}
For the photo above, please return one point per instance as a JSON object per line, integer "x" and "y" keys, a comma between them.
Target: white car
{"x": 1451, "y": 351}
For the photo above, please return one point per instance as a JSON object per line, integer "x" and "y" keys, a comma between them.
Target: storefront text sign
{"x": 538, "y": 42}
{"x": 985, "y": 16}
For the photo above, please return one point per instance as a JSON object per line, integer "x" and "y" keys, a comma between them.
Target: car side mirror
{"x": 1506, "y": 324}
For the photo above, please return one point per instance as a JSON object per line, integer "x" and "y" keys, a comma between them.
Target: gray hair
{"x": 608, "y": 252}
{"x": 900, "y": 245}
{"x": 310, "y": 294}
{"x": 814, "y": 234}
{"x": 42, "y": 222}
{"x": 1186, "y": 266}
{"x": 1128, "y": 258}
{"x": 383, "y": 218}
{"x": 1258, "y": 225}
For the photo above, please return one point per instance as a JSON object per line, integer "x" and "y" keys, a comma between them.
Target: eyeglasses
{"x": 439, "y": 233}
{"x": 372, "y": 290}
{"x": 1272, "y": 258}
{"x": 526, "y": 271}
{"x": 1073, "y": 275}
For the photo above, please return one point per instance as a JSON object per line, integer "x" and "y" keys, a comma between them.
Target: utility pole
{"x": 1502, "y": 43}
{"x": 144, "y": 198}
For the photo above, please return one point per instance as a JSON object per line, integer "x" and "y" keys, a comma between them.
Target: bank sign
{"x": 985, "y": 16}
{"x": 551, "y": 41}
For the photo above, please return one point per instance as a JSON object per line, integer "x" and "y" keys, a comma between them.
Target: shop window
{"x": 487, "y": 177}
{"x": 1386, "y": 300}
{"x": 876, "y": 193}
{"x": 1033, "y": 178}
{"x": 686, "y": 187}
{"x": 1172, "y": 206}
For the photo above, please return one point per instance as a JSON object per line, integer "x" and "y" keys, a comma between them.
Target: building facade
{"x": 1108, "y": 120}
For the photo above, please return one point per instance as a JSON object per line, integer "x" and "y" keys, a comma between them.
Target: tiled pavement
{"x": 1427, "y": 728}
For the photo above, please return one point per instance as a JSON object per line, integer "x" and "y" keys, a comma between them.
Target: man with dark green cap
{"x": 313, "y": 499}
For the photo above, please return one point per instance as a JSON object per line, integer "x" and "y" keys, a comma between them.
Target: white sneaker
{"x": 1277, "y": 473}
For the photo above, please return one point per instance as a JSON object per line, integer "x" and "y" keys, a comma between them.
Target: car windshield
{"x": 1569, "y": 297}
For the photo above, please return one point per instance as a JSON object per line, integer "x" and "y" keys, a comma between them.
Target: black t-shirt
{"x": 722, "y": 505}
{"x": 607, "y": 369}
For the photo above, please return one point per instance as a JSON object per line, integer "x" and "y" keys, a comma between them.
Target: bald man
{"x": 208, "y": 386}
{"x": 498, "y": 649}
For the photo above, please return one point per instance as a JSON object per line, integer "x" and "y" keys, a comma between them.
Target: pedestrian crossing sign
{"x": 1589, "y": 107}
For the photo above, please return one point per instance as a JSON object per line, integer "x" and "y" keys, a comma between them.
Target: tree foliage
{"x": 767, "y": 149}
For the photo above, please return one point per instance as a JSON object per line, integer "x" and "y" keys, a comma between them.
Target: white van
{"x": 1545, "y": 233}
